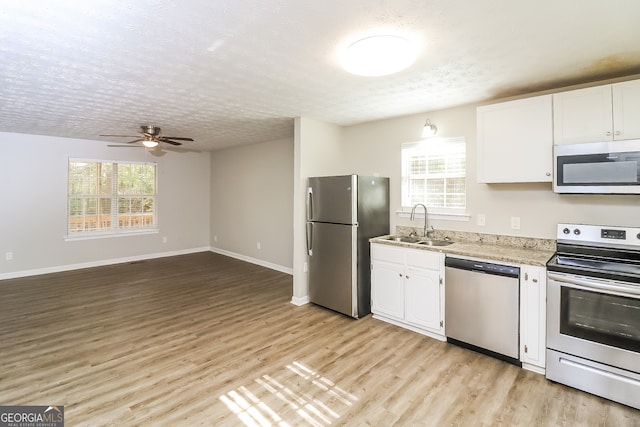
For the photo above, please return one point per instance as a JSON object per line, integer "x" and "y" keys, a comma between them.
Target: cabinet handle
{"x": 534, "y": 280}
{"x": 526, "y": 350}
{"x": 400, "y": 274}
{"x": 548, "y": 173}
{"x": 608, "y": 133}
{"x": 618, "y": 133}
{"x": 526, "y": 276}
{"x": 406, "y": 277}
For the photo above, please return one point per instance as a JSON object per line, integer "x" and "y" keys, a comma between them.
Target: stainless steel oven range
{"x": 593, "y": 311}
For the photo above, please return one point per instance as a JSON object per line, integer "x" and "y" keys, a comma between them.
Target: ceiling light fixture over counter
{"x": 429, "y": 129}
{"x": 378, "y": 55}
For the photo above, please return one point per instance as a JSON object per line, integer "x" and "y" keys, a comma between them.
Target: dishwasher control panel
{"x": 482, "y": 267}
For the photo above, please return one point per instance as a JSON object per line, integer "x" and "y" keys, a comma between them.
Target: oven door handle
{"x": 583, "y": 283}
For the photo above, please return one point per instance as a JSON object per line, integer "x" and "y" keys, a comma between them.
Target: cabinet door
{"x": 515, "y": 141}
{"x": 626, "y": 110}
{"x": 423, "y": 296}
{"x": 387, "y": 289}
{"x": 533, "y": 293}
{"x": 583, "y": 115}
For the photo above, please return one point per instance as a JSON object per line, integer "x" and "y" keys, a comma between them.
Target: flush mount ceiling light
{"x": 378, "y": 55}
{"x": 429, "y": 129}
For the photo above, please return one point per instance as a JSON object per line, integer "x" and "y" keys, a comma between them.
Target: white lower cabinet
{"x": 387, "y": 289}
{"x": 407, "y": 288}
{"x": 533, "y": 297}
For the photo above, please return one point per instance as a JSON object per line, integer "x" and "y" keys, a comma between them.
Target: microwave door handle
{"x": 586, "y": 284}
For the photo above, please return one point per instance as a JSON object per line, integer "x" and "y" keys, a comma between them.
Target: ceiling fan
{"x": 150, "y": 138}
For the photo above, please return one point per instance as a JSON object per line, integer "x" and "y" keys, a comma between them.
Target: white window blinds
{"x": 434, "y": 173}
{"x": 110, "y": 197}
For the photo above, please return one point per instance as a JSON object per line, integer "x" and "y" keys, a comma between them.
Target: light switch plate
{"x": 482, "y": 220}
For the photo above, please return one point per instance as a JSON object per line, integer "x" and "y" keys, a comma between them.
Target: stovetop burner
{"x": 599, "y": 265}
{"x": 598, "y": 251}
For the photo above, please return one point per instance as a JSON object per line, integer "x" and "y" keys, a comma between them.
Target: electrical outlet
{"x": 305, "y": 267}
{"x": 8, "y": 256}
{"x": 258, "y": 245}
{"x": 164, "y": 239}
{"x": 515, "y": 222}
{"x": 482, "y": 220}
{"x": 215, "y": 238}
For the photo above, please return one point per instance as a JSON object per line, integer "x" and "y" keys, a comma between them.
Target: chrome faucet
{"x": 426, "y": 217}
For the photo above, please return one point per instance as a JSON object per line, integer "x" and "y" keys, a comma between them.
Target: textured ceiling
{"x": 229, "y": 72}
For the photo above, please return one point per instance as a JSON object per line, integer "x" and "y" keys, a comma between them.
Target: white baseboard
{"x": 299, "y": 300}
{"x": 68, "y": 267}
{"x": 533, "y": 368}
{"x": 262, "y": 263}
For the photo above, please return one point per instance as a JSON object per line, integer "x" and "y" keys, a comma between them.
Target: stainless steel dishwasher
{"x": 482, "y": 307}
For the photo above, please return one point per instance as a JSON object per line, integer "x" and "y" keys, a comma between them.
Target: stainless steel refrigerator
{"x": 343, "y": 213}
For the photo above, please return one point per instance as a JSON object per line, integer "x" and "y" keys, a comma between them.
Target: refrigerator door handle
{"x": 309, "y": 204}
{"x": 310, "y": 238}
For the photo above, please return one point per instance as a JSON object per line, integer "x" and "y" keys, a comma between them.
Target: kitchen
{"x": 539, "y": 208}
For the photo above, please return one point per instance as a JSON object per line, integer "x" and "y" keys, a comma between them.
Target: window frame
{"x": 440, "y": 212}
{"x": 114, "y": 195}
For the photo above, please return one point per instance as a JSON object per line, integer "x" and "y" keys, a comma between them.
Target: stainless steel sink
{"x": 404, "y": 239}
{"x": 419, "y": 241}
{"x": 435, "y": 242}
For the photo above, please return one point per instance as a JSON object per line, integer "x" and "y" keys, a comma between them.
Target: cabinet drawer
{"x": 387, "y": 253}
{"x": 424, "y": 259}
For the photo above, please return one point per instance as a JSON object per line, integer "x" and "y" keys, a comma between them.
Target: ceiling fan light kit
{"x": 150, "y": 143}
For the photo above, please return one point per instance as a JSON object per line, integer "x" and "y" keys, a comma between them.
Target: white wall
{"x": 252, "y": 201}
{"x": 319, "y": 151}
{"x": 33, "y": 218}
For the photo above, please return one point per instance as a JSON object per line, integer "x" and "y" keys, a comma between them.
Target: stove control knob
{"x": 638, "y": 236}
{"x": 576, "y": 231}
{"x": 566, "y": 231}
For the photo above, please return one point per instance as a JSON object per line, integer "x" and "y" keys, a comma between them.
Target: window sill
{"x": 109, "y": 234}
{"x": 447, "y": 216}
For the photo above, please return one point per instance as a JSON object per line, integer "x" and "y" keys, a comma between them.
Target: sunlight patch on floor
{"x": 309, "y": 395}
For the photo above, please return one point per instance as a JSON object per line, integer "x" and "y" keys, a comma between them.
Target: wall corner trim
{"x": 299, "y": 301}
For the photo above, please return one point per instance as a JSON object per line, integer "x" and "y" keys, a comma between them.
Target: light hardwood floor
{"x": 203, "y": 339}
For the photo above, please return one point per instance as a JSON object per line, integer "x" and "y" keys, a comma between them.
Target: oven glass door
{"x": 600, "y": 317}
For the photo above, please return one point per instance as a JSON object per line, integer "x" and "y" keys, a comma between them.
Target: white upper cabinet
{"x": 515, "y": 141}
{"x": 597, "y": 114}
{"x": 626, "y": 110}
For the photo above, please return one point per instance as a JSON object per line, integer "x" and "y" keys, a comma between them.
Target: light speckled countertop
{"x": 516, "y": 250}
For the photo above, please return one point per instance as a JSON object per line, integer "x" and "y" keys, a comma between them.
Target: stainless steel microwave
{"x": 598, "y": 168}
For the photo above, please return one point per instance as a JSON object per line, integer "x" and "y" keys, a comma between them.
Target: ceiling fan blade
{"x": 179, "y": 149}
{"x": 168, "y": 141}
{"x": 178, "y": 138}
{"x": 124, "y": 145}
{"x": 135, "y": 140}
{"x": 122, "y": 136}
